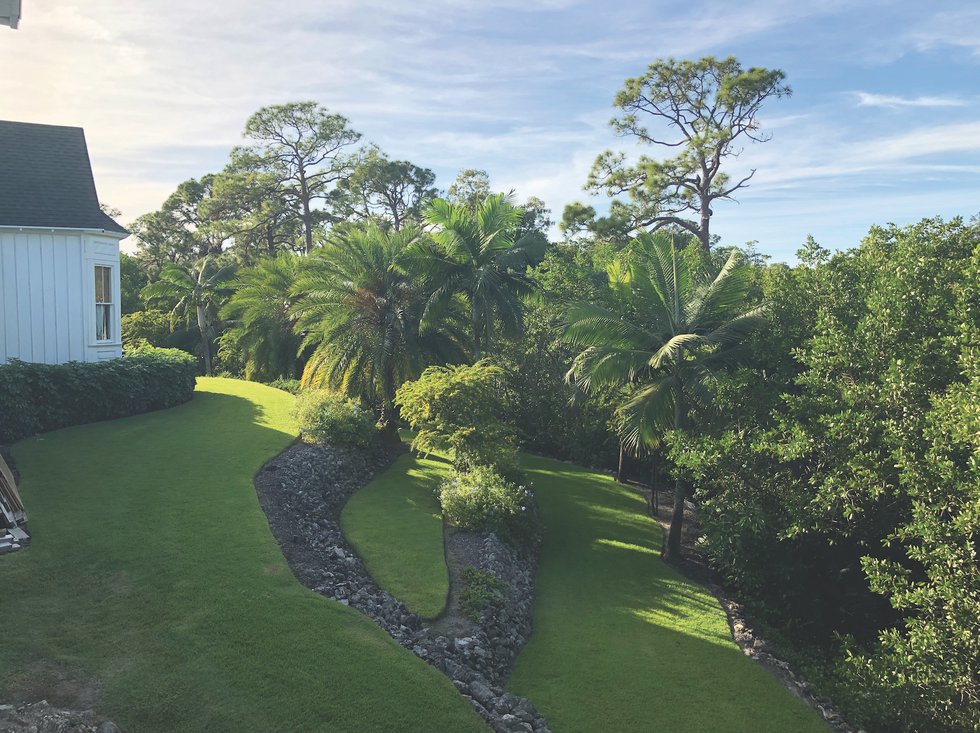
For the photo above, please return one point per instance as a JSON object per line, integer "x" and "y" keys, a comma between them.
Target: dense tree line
{"x": 822, "y": 417}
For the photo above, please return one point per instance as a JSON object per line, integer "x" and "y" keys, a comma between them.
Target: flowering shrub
{"x": 482, "y": 499}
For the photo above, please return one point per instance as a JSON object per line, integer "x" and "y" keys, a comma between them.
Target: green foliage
{"x": 194, "y": 292}
{"x": 328, "y": 417}
{"x": 302, "y": 147}
{"x": 713, "y": 106}
{"x": 132, "y": 279}
{"x": 459, "y": 410}
{"x": 841, "y": 492}
{"x": 293, "y": 386}
{"x": 483, "y": 500}
{"x": 261, "y": 334}
{"x": 479, "y": 258}
{"x": 389, "y": 192}
{"x": 147, "y": 326}
{"x": 481, "y": 591}
{"x": 36, "y": 398}
{"x": 362, "y": 313}
{"x": 671, "y": 327}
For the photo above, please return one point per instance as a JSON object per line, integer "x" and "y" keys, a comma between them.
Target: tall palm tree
{"x": 196, "y": 290}
{"x": 672, "y": 328}
{"x": 361, "y": 312}
{"x": 477, "y": 256}
{"x": 262, "y": 318}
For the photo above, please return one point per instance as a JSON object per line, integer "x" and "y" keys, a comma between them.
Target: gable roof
{"x": 46, "y": 179}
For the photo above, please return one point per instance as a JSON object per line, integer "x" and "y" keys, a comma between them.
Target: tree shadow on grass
{"x": 623, "y": 642}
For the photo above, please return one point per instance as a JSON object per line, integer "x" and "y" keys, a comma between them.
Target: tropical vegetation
{"x": 819, "y": 418}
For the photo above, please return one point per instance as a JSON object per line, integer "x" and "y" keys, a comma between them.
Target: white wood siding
{"x": 47, "y": 295}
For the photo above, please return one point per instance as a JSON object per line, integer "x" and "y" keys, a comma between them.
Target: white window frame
{"x": 113, "y": 305}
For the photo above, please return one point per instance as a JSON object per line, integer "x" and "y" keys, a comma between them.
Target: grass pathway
{"x": 155, "y": 592}
{"x": 621, "y": 641}
{"x": 399, "y": 513}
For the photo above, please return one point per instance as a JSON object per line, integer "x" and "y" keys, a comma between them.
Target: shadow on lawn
{"x": 622, "y": 641}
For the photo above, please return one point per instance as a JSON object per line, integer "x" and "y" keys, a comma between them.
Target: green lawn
{"x": 155, "y": 592}
{"x": 621, "y": 642}
{"x": 398, "y": 514}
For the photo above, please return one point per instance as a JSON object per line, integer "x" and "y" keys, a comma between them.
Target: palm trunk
{"x": 619, "y": 469}
{"x": 388, "y": 420}
{"x": 672, "y": 550}
{"x": 202, "y": 325}
{"x": 477, "y": 346}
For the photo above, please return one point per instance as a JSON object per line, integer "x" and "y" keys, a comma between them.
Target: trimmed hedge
{"x": 36, "y": 398}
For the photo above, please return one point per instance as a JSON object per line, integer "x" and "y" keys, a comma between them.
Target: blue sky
{"x": 883, "y": 125}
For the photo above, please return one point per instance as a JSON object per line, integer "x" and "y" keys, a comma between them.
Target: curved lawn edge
{"x": 622, "y": 641}
{"x": 155, "y": 593}
{"x": 400, "y": 503}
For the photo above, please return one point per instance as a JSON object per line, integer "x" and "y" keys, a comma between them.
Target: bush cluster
{"x": 36, "y": 398}
{"x": 293, "y": 386}
{"x": 328, "y": 417}
{"x": 481, "y": 499}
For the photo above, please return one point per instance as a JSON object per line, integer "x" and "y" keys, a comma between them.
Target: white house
{"x": 59, "y": 253}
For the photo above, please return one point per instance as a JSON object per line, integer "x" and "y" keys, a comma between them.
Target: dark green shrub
{"x": 328, "y": 417}
{"x": 293, "y": 386}
{"x": 150, "y": 326}
{"x": 481, "y": 499}
{"x": 36, "y": 398}
{"x": 481, "y": 590}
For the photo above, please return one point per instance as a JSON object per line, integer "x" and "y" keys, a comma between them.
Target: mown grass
{"x": 155, "y": 593}
{"x": 621, "y": 641}
{"x": 398, "y": 514}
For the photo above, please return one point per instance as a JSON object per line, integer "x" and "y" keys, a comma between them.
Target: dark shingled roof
{"x": 46, "y": 179}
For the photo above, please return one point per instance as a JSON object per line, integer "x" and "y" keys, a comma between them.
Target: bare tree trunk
{"x": 619, "y": 470}
{"x": 704, "y": 231}
{"x": 304, "y": 193}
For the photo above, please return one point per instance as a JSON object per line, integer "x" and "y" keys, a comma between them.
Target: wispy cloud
{"x": 523, "y": 90}
{"x": 867, "y": 99}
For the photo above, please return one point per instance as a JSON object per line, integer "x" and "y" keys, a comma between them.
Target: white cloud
{"x": 867, "y": 99}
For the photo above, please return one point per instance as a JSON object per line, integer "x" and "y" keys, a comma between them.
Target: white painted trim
{"x": 65, "y": 230}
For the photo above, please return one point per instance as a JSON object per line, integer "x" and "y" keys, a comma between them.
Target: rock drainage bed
{"x": 303, "y": 491}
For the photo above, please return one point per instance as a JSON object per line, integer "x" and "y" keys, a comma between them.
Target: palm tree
{"x": 478, "y": 257}
{"x": 195, "y": 289}
{"x": 361, "y": 312}
{"x": 263, "y": 320}
{"x": 673, "y": 327}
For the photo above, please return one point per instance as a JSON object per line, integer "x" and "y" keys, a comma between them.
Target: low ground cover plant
{"x": 481, "y": 590}
{"x": 328, "y": 417}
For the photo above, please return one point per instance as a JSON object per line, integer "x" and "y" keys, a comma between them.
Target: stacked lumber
{"x": 13, "y": 518}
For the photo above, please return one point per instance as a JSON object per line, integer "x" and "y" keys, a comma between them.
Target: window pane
{"x": 103, "y": 322}
{"x": 107, "y": 283}
{"x": 99, "y": 283}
